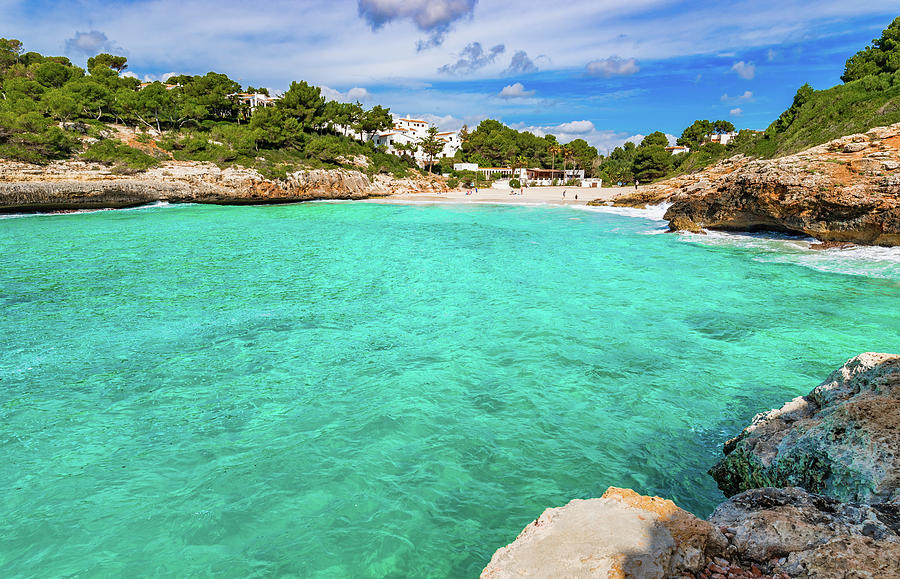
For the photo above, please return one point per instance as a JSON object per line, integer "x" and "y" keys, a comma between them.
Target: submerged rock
{"x": 621, "y": 534}
{"x": 841, "y": 440}
{"x": 807, "y": 535}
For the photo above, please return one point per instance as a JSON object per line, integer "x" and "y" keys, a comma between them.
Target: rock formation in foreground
{"x": 847, "y": 190}
{"x": 842, "y": 439}
{"x": 621, "y": 534}
{"x": 69, "y": 185}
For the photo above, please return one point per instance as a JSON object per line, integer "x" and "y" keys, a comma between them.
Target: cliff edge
{"x": 71, "y": 185}
{"x": 847, "y": 190}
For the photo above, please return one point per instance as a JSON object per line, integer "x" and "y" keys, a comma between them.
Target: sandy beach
{"x": 530, "y": 195}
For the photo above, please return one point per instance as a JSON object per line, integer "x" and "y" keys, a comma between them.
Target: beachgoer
{"x": 636, "y": 183}
{"x": 564, "y": 194}
{"x": 576, "y": 197}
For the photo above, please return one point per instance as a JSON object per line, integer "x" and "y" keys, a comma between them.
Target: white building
{"x": 254, "y": 100}
{"x": 724, "y": 138}
{"x": 678, "y": 149}
{"x": 408, "y": 131}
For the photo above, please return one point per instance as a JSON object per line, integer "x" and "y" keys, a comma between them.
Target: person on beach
{"x": 636, "y": 183}
{"x": 564, "y": 194}
{"x": 576, "y": 197}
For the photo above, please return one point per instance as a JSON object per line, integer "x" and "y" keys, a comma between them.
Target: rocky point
{"x": 847, "y": 190}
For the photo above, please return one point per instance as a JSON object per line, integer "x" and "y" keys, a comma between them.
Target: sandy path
{"x": 530, "y": 195}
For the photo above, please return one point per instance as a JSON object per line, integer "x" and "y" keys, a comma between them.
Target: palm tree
{"x": 554, "y": 151}
{"x": 567, "y": 154}
{"x": 518, "y": 163}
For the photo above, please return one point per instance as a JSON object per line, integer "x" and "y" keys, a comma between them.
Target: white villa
{"x": 413, "y": 131}
{"x": 254, "y": 100}
{"x": 724, "y": 138}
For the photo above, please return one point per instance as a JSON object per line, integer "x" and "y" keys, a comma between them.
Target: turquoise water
{"x": 361, "y": 390}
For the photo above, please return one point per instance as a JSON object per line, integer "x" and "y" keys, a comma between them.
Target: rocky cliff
{"x": 73, "y": 185}
{"x": 847, "y": 190}
{"x": 841, "y": 440}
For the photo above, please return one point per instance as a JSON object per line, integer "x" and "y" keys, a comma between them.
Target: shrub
{"x": 515, "y": 183}
{"x": 113, "y": 152}
{"x": 453, "y": 182}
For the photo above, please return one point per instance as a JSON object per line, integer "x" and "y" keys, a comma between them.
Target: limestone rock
{"x": 838, "y": 191}
{"x": 841, "y": 440}
{"x": 621, "y": 534}
{"x": 808, "y": 535}
{"x": 69, "y": 185}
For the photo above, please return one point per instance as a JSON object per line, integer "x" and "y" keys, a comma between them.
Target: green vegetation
{"x": 493, "y": 144}
{"x": 114, "y": 152}
{"x": 882, "y": 56}
{"x": 49, "y": 108}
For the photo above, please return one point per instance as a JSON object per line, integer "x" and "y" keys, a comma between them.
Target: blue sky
{"x": 601, "y": 70}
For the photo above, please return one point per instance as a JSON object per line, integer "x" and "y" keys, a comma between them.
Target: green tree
{"x": 272, "y": 129}
{"x": 804, "y": 94}
{"x": 655, "y": 139}
{"x": 882, "y": 56}
{"x": 722, "y": 127}
{"x": 697, "y": 133}
{"x": 305, "y": 103}
{"x": 94, "y": 96}
{"x": 62, "y": 104}
{"x": 584, "y": 155}
{"x": 51, "y": 74}
{"x": 375, "y": 119}
{"x": 651, "y": 162}
{"x": 97, "y": 63}
{"x": 10, "y": 49}
{"x": 431, "y": 145}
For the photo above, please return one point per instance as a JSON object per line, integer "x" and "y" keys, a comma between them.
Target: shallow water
{"x": 364, "y": 390}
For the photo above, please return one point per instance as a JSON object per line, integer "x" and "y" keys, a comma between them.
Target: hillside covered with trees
{"x": 51, "y": 109}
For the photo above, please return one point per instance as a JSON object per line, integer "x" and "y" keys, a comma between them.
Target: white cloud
{"x": 613, "y": 66}
{"x": 129, "y": 74}
{"x": 736, "y": 112}
{"x": 747, "y": 96}
{"x": 515, "y": 91}
{"x": 576, "y": 127}
{"x": 603, "y": 140}
{"x": 745, "y": 70}
{"x": 153, "y": 77}
{"x": 354, "y": 94}
{"x": 771, "y": 55}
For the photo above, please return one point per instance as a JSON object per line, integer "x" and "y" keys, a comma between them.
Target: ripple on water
{"x": 369, "y": 390}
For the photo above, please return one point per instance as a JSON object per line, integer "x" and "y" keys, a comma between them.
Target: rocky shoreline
{"x": 845, "y": 191}
{"x": 814, "y": 492}
{"x": 74, "y": 185}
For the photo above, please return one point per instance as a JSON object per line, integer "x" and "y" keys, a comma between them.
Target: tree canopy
{"x": 882, "y": 56}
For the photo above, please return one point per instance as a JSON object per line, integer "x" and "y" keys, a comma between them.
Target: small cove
{"x": 383, "y": 390}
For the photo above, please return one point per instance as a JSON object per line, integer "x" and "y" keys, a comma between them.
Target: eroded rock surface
{"x": 621, "y": 534}
{"x": 847, "y": 190}
{"x": 806, "y": 535}
{"x": 841, "y": 440}
{"x": 67, "y": 185}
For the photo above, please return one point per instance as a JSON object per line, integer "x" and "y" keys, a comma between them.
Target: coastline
{"x": 529, "y": 196}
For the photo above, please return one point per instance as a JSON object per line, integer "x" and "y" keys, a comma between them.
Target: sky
{"x": 602, "y": 70}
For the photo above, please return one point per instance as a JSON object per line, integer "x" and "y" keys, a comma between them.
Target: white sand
{"x": 529, "y": 196}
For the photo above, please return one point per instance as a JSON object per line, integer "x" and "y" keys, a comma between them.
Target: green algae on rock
{"x": 841, "y": 440}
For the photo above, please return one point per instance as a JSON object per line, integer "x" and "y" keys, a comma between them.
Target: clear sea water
{"x": 363, "y": 390}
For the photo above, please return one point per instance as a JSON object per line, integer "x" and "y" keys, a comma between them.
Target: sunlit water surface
{"x": 361, "y": 390}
